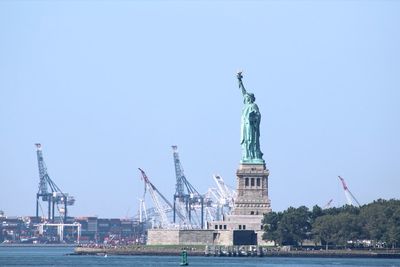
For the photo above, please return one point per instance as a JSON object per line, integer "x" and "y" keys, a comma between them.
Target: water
{"x": 56, "y": 256}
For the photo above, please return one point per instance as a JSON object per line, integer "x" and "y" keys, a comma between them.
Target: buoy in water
{"x": 184, "y": 260}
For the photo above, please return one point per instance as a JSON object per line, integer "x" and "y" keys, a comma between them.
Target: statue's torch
{"x": 239, "y": 76}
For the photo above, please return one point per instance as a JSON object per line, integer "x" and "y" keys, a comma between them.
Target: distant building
{"x": 31, "y": 229}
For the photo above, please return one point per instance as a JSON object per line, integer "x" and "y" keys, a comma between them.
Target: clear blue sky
{"x": 109, "y": 86}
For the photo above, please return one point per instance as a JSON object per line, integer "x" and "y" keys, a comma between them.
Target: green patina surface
{"x": 250, "y": 128}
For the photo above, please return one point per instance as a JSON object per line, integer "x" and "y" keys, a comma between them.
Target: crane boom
{"x": 42, "y": 173}
{"x": 349, "y": 196}
{"x": 160, "y": 209}
{"x": 179, "y": 190}
{"x": 328, "y": 205}
{"x": 225, "y": 192}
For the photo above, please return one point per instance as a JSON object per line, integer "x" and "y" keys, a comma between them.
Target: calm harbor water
{"x": 56, "y": 256}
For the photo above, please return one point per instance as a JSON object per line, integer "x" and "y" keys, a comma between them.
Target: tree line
{"x": 373, "y": 224}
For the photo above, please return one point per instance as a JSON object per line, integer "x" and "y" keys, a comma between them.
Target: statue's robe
{"x": 250, "y": 132}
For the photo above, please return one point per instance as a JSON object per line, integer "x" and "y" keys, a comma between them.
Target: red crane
{"x": 349, "y": 196}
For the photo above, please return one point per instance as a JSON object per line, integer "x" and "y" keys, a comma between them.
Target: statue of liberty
{"x": 250, "y": 127}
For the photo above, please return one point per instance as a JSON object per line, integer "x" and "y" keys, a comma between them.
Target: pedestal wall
{"x": 252, "y": 190}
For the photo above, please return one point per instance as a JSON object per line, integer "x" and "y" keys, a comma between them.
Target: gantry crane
{"x": 185, "y": 198}
{"x": 160, "y": 208}
{"x": 219, "y": 200}
{"x": 226, "y": 193}
{"x": 226, "y": 200}
{"x": 53, "y": 197}
{"x": 348, "y": 194}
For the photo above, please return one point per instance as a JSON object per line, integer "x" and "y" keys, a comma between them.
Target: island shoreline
{"x": 195, "y": 251}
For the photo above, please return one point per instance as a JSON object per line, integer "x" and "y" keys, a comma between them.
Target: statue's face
{"x": 248, "y": 99}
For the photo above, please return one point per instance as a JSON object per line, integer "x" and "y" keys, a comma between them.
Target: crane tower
{"x": 186, "y": 199}
{"x": 53, "y": 198}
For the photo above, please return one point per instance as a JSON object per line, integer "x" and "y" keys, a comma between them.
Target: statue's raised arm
{"x": 241, "y": 86}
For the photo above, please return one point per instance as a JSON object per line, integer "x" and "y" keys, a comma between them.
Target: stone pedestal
{"x": 252, "y": 190}
{"x": 251, "y": 204}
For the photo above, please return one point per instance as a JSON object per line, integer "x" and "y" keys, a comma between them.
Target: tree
{"x": 393, "y": 232}
{"x": 325, "y": 230}
{"x": 271, "y": 221}
{"x": 378, "y": 221}
{"x": 316, "y": 212}
{"x": 290, "y": 227}
{"x": 349, "y": 228}
{"x": 375, "y": 220}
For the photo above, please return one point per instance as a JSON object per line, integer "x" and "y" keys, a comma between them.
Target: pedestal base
{"x": 252, "y": 190}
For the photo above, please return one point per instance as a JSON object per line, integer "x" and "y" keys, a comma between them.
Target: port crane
{"x": 219, "y": 200}
{"x": 185, "y": 200}
{"x": 214, "y": 207}
{"x": 349, "y": 196}
{"x": 328, "y": 204}
{"x": 225, "y": 201}
{"x": 227, "y": 195}
{"x": 55, "y": 196}
{"x": 142, "y": 211}
{"x": 160, "y": 207}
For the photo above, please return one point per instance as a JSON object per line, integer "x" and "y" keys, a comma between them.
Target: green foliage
{"x": 378, "y": 221}
{"x": 325, "y": 229}
{"x": 290, "y": 227}
{"x": 271, "y": 221}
